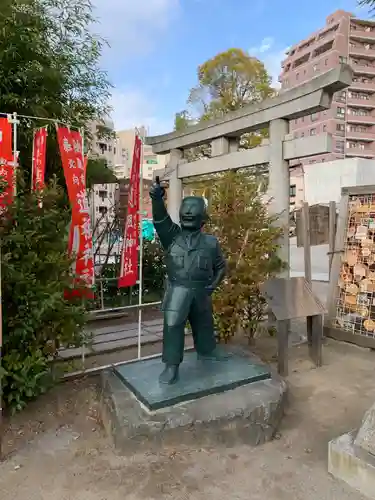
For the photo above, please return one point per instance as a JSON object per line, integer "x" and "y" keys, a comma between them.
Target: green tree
{"x": 37, "y": 320}
{"x": 227, "y": 82}
{"x": 369, "y": 3}
{"x": 98, "y": 173}
{"x": 246, "y": 232}
{"x": 50, "y": 68}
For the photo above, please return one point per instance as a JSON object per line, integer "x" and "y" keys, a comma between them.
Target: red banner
{"x": 80, "y": 237}
{"x": 39, "y": 159}
{"x": 129, "y": 256}
{"x": 6, "y": 164}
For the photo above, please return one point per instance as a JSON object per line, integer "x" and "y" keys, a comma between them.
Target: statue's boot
{"x": 215, "y": 355}
{"x": 169, "y": 375}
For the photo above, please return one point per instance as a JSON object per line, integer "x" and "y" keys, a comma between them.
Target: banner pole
{"x": 140, "y": 220}
{"x": 33, "y": 162}
{"x": 15, "y": 122}
{"x": 2, "y": 430}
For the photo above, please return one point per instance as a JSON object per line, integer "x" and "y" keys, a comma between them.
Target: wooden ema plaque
{"x": 355, "y": 311}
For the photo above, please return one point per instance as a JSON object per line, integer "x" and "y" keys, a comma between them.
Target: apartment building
{"x": 124, "y": 155}
{"x": 103, "y": 201}
{"x": 351, "y": 119}
{"x": 103, "y": 144}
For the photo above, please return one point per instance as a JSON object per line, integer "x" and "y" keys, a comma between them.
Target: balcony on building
{"x": 362, "y": 83}
{"x": 359, "y": 149}
{"x": 301, "y": 60}
{"x": 362, "y": 30}
{"x": 327, "y": 33}
{"x": 324, "y": 47}
{"x": 361, "y": 67}
{"x": 361, "y": 99}
{"x": 364, "y": 50}
{"x": 360, "y": 115}
{"x": 360, "y": 132}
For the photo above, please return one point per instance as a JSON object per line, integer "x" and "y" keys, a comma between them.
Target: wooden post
{"x": 331, "y": 234}
{"x": 306, "y": 240}
{"x": 282, "y": 343}
{"x": 305, "y": 220}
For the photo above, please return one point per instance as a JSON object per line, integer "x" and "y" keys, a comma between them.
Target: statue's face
{"x": 192, "y": 213}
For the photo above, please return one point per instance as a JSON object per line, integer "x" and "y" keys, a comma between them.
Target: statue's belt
{"x": 188, "y": 283}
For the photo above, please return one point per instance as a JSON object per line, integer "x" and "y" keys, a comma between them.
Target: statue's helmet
{"x": 193, "y": 212}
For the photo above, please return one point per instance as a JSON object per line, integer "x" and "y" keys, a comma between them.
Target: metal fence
{"x": 120, "y": 328}
{"x": 108, "y": 297}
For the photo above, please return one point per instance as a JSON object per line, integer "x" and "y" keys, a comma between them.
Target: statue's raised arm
{"x": 165, "y": 228}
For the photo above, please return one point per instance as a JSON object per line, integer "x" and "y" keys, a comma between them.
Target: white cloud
{"x": 266, "y": 44}
{"x": 132, "y": 26}
{"x": 133, "y": 29}
{"x": 132, "y": 108}
{"x": 271, "y": 55}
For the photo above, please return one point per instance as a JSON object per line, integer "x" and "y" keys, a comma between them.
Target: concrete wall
{"x": 323, "y": 181}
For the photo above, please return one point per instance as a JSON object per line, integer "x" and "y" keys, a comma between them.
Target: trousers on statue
{"x": 181, "y": 305}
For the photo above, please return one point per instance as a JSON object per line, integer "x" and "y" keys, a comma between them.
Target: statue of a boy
{"x": 195, "y": 268}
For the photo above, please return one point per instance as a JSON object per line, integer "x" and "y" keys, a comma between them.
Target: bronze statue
{"x": 195, "y": 268}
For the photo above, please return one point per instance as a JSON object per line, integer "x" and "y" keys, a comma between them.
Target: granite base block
{"x": 351, "y": 464}
{"x": 250, "y": 414}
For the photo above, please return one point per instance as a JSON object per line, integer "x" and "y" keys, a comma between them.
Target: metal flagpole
{"x": 140, "y": 219}
{"x": 1, "y": 360}
{"x": 83, "y": 359}
{"x": 14, "y": 122}
{"x": 33, "y": 161}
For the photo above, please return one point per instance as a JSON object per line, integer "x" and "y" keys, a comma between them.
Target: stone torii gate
{"x": 224, "y": 133}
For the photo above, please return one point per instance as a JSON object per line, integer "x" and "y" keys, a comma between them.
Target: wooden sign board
{"x": 291, "y": 298}
{"x": 318, "y": 224}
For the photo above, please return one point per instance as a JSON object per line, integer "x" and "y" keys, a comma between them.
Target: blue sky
{"x": 156, "y": 46}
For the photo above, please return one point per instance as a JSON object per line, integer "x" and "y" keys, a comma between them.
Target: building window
{"x": 340, "y": 127}
{"x": 292, "y": 190}
{"x": 339, "y": 146}
{"x": 313, "y": 131}
{"x": 315, "y": 68}
{"x": 355, "y": 145}
{"x": 314, "y": 117}
{"x": 324, "y": 128}
{"x": 302, "y": 134}
{"x": 343, "y": 59}
{"x": 103, "y": 210}
{"x": 340, "y": 112}
{"x": 326, "y": 62}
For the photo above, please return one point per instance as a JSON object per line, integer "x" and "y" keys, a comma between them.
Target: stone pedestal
{"x": 351, "y": 457}
{"x": 235, "y": 400}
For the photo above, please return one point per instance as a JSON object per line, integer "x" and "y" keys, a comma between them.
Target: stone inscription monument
{"x": 351, "y": 457}
{"x": 195, "y": 268}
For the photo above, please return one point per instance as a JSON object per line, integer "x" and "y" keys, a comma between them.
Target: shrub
{"x": 37, "y": 320}
{"x": 248, "y": 238}
{"x": 153, "y": 279}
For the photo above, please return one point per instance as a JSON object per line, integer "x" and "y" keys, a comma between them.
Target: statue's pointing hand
{"x": 157, "y": 192}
